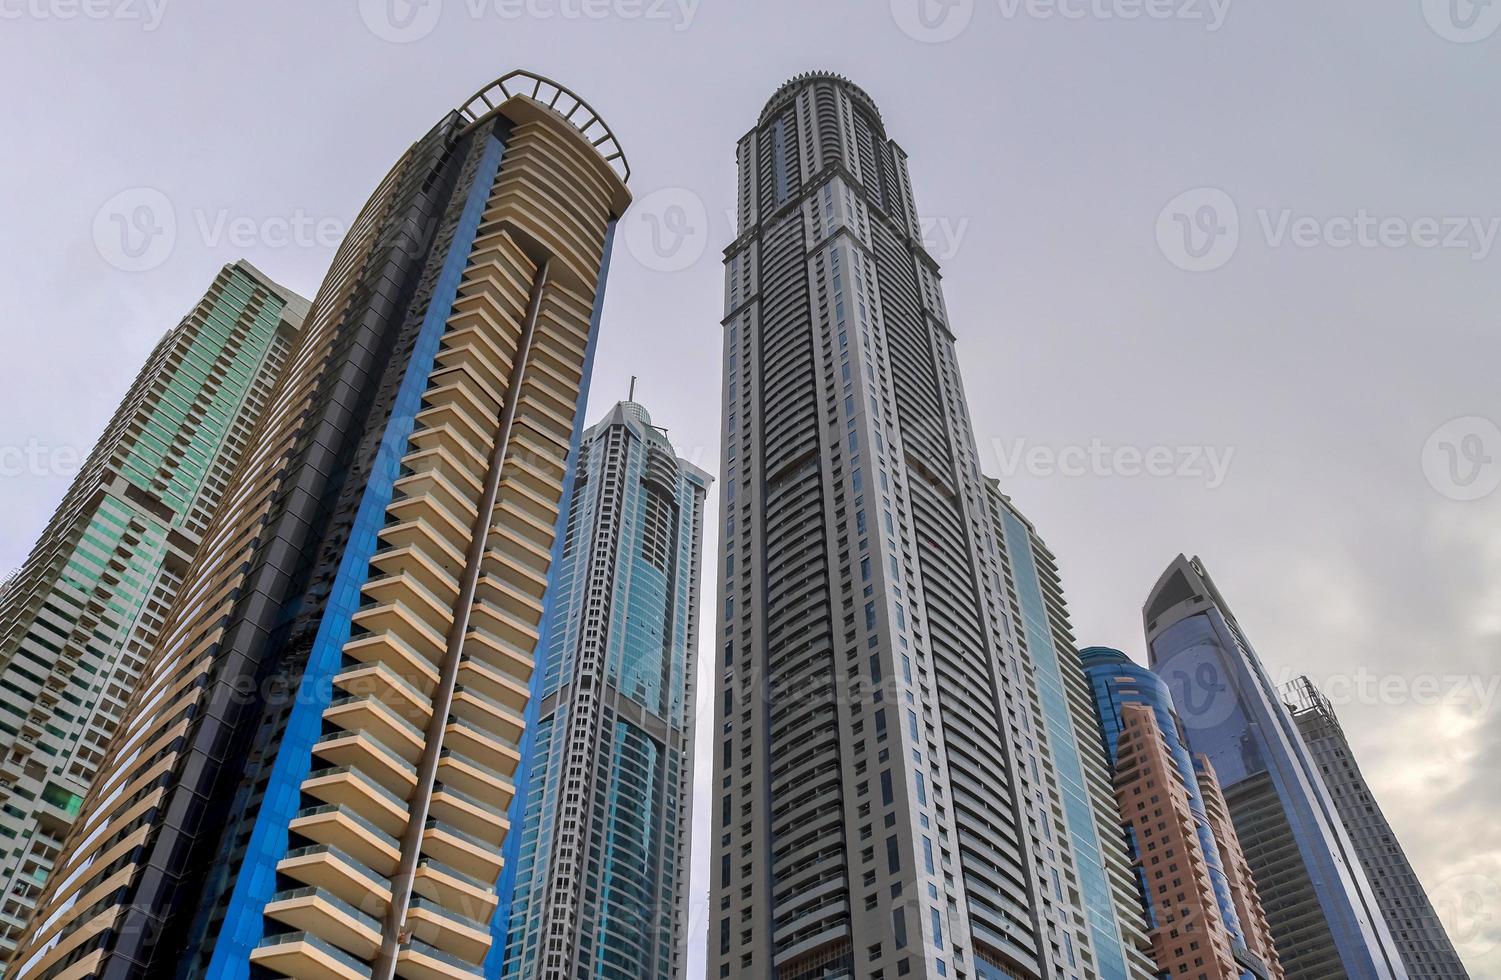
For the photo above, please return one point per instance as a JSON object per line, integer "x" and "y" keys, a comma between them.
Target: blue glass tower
{"x": 601, "y": 862}
{"x": 1323, "y": 913}
{"x": 1117, "y": 681}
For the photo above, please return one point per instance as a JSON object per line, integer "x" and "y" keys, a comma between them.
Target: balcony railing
{"x": 323, "y": 946}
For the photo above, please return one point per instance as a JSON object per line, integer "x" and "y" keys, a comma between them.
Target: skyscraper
{"x": 1322, "y": 911}
{"x": 1062, "y": 705}
{"x": 1203, "y": 909}
{"x": 78, "y": 620}
{"x": 602, "y": 864}
{"x": 885, "y": 801}
{"x": 1426, "y": 950}
{"x": 315, "y": 778}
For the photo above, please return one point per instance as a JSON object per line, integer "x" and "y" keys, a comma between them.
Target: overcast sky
{"x": 1224, "y": 277}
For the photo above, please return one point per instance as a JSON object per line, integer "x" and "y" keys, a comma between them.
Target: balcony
{"x": 303, "y": 955}
{"x": 478, "y": 678}
{"x": 472, "y": 779}
{"x": 515, "y": 602}
{"x": 342, "y": 876}
{"x": 408, "y": 590}
{"x": 454, "y": 442}
{"x": 314, "y": 911}
{"x": 475, "y": 430}
{"x": 463, "y": 852}
{"x": 410, "y": 626}
{"x": 447, "y": 382}
{"x": 489, "y": 750}
{"x": 375, "y": 718}
{"x": 503, "y": 655}
{"x": 399, "y": 694}
{"x": 344, "y": 830}
{"x": 421, "y": 535}
{"x": 429, "y": 509}
{"x": 398, "y": 655}
{"x": 349, "y": 787}
{"x": 457, "y": 498}
{"x": 486, "y": 714}
{"x": 468, "y": 814}
{"x": 356, "y": 750}
{"x": 454, "y": 889}
{"x": 445, "y": 930}
{"x": 419, "y": 961}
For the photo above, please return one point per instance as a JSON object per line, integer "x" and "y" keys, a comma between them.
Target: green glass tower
{"x": 78, "y": 618}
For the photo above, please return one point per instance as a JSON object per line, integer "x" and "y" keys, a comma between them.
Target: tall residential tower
{"x": 79, "y": 619}
{"x": 1323, "y": 913}
{"x": 316, "y": 777}
{"x": 887, "y": 795}
{"x": 602, "y": 877}
{"x": 1203, "y": 910}
{"x": 1415, "y": 926}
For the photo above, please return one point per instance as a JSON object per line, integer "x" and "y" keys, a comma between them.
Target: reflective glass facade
{"x": 1323, "y": 913}
{"x": 611, "y": 768}
{"x": 77, "y": 621}
{"x": 1119, "y": 684}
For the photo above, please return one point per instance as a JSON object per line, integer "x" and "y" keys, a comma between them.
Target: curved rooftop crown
{"x": 792, "y": 86}
{"x": 563, "y": 101}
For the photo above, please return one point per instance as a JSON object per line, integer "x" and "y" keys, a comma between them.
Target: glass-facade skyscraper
{"x": 1324, "y": 916}
{"x": 601, "y": 864}
{"x": 1063, "y": 708}
{"x": 1192, "y": 870}
{"x": 314, "y": 779}
{"x": 80, "y": 617}
{"x": 1415, "y": 927}
{"x": 888, "y": 793}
